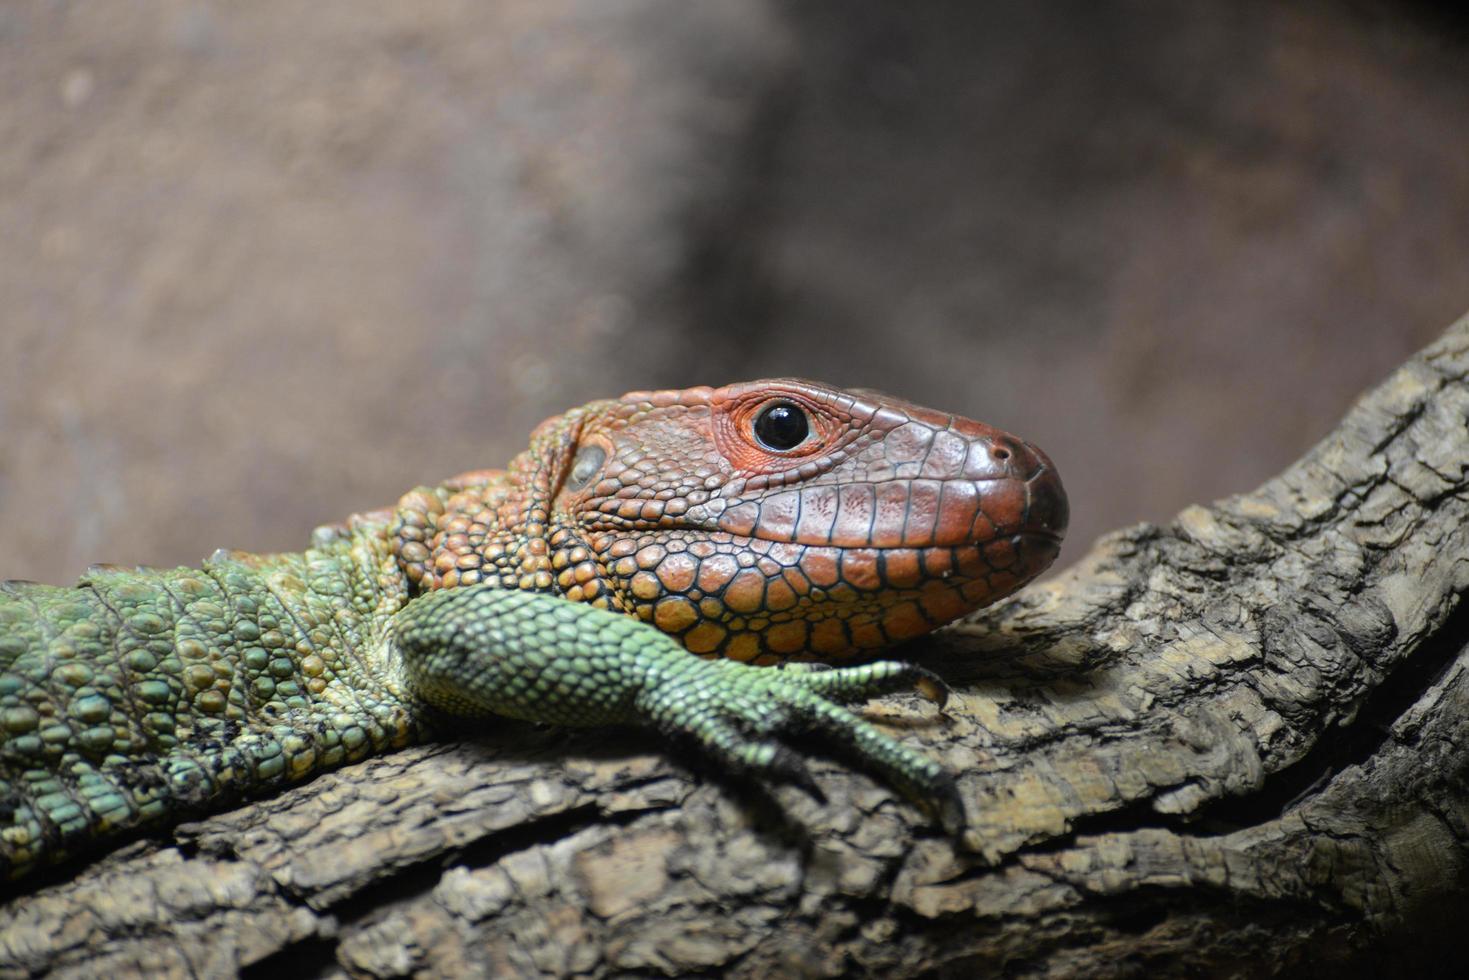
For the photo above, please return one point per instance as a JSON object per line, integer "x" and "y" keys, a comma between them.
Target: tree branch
{"x": 1233, "y": 744}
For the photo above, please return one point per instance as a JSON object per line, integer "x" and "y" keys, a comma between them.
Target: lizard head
{"x": 758, "y": 521}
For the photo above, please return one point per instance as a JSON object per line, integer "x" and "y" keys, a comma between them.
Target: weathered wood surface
{"x": 1232, "y": 745}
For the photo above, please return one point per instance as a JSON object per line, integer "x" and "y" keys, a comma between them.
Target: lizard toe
{"x": 852, "y": 684}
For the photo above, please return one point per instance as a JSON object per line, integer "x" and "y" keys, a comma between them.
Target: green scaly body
{"x": 141, "y": 696}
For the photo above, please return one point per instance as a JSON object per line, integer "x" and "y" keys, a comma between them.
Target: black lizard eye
{"x": 588, "y": 463}
{"x": 781, "y": 426}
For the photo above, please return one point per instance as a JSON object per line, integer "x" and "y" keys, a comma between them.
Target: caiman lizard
{"x": 777, "y": 522}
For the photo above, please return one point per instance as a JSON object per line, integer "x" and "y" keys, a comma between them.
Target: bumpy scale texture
{"x": 763, "y": 523}
{"x": 574, "y": 664}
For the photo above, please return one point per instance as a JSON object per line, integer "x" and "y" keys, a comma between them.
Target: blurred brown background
{"x": 265, "y": 264}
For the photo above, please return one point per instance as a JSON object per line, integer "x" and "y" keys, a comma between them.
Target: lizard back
{"x": 141, "y": 695}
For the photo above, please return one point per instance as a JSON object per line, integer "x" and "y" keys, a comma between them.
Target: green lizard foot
{"x": 482, "y": 650}
{"x": 739, "y": 715}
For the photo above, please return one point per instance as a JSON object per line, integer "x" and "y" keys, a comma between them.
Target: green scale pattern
{"x": 143, "y": 696}
{"x": 489, "y": 651}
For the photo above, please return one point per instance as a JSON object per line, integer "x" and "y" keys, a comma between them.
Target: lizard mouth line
{"x": 878, "y": 541}
{"x": 1018, "y": 555}
{"x": 915, "y": 514}
{"x": 1040, "y": 536}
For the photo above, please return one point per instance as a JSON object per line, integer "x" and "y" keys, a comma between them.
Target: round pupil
{"x": 781, "y": 427}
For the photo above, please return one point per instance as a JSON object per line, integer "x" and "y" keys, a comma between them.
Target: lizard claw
{"x": 931, "y": 686}
{"x": 947, "y": 806}
{"x": 791, "y": 768}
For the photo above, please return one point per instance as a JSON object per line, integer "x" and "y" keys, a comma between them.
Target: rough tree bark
{"x": 1232, "y": 745}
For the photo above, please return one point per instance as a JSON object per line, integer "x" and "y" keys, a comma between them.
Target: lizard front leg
{"x": 479, "y": 651}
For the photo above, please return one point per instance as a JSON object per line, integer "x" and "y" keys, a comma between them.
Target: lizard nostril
{"x": 1007, "y": 451}
{"x": 1014, "y": 457}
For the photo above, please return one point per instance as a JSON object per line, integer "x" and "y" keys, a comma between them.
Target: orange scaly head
{"x": 759, "y": 521}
